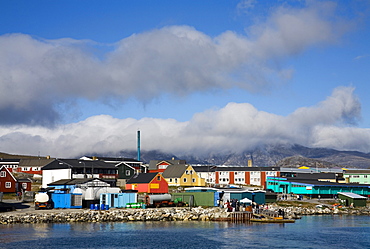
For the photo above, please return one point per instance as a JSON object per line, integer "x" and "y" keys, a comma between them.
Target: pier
{"x": 241, "y": 216}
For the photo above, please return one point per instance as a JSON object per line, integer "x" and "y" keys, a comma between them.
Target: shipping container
{"x": 67, "y": 200}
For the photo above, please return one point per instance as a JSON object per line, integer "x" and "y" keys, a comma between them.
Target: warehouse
{"x": 314, "y": 188}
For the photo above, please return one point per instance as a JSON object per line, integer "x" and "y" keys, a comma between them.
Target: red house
{"x": 148, "y": 183}
{"x": 10, "y": 184}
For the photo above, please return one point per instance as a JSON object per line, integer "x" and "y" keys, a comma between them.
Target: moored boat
{"x": 272, "y": 220}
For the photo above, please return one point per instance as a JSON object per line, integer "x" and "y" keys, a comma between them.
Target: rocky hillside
{"x": 268, "y": 155}
{"x": 271, "y": 155}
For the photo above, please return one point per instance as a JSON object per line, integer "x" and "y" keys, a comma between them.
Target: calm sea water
{"x": 308, "y": 232}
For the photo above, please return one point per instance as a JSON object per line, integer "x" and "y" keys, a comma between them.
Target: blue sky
{"x": 220, "y": 76}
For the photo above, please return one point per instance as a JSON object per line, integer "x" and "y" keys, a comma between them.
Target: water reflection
{"x": 315, "y": 231}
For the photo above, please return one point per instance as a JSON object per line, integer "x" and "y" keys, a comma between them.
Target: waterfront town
{"x": 129, "y": 188}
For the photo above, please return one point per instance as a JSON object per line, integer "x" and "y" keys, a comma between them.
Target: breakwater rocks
{"x": 120, "y": 215}
{"x": 165, "y": 214}
{"x": 297, "y": 211}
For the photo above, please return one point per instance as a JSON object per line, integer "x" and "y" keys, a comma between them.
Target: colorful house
{"x": 126, "y": 167}
{"x": 10, "y": 164}
{"x": 182, "y": 175}
{"x": 161, "y": 165}
{"x": 33, "y": 165}
{"x": 60, "y": 169}
{"x": 256, "y": 176}
{"x": 148, "y": 183}
{"x": 10, "y": 184}
{"x": 360, "y": 176}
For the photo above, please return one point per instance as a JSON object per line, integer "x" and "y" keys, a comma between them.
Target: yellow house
{"x": 182, "y": 175}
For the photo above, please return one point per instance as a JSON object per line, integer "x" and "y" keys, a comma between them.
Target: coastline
{"x": 161, "y": 214}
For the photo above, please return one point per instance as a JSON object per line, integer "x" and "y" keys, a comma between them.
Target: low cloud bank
{"x": 233, "y": 128}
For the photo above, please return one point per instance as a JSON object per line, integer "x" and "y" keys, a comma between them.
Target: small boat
{"x": 272, "y": 220}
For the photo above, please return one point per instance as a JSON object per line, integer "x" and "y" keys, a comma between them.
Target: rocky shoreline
{"x": 162, "y": 214}
{"x": 297, "y": 211}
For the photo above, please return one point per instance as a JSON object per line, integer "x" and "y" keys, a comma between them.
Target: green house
{"x": 351, "y": 199}
{"x": 360, "y": 176}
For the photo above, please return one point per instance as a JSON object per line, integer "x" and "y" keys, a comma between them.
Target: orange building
{"x": 148, "y": 183}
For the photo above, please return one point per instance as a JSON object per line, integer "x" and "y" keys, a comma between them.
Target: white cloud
{"x": 38, "y": 75}
{"x": 233, "y": 128}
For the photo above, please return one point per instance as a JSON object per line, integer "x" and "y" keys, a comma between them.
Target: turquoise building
{"x": 314, "y": 188}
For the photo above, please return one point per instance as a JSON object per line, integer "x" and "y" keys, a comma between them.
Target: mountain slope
{"x": 283, "y": 155}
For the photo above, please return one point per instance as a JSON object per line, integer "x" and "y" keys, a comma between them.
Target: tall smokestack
{"x": 138, "y": 145}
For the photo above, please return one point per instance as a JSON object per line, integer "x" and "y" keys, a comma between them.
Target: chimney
{"x": 138, "y": 145}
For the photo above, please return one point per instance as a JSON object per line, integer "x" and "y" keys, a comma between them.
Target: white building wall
{"x": 224, "y": 178}
{"x": 49, "y": 176}
{"x": 209, "y": 177}
{"x": 255, "y": 177}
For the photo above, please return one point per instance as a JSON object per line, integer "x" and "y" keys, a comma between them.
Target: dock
{"x": 241, "y": 216}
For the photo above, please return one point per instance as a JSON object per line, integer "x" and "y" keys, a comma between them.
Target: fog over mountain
{"x": 269, "y": 155}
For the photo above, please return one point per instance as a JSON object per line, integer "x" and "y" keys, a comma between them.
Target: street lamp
{"x": 85, "y": 176}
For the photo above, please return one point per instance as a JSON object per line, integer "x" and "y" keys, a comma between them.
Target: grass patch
{"x": 296, "y": 204}
{"x": 9, "y": 196}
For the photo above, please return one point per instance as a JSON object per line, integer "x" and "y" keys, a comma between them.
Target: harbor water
{"x": 309, "y": 232}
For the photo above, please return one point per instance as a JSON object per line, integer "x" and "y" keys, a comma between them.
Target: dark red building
{"x": 10, "y": 184}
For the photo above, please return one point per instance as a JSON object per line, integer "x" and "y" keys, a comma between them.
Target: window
{"x": 24, "y": 185}
{"x": 170, "y": 179}
{"x": 185, "y": 179}
{"x": 158, "y": 178}
{"x": 3, "y": 174}
{"x": 162, "y": 166}
{"x": 8, "y": 185}
{"x": 175, "y": 180}
{"x": 128, "y": 172}
{"x": 193, "y": 180}
{"x": 187, "y": 172}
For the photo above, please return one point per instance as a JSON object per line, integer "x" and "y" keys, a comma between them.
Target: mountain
{"x": 11, "y": 156}
{"x": 283, "y": 155}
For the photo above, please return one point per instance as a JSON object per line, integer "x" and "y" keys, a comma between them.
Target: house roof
{"x": 3, "y": 168}
{"x": 244, "y": 168}
{"x": 76, "y": 163}
{"x": 316, "y": 176}
{"x": 117, "y": 159}
{"x": 175, "y": 171}
{"x": 73, "y": 181}
{"x": 7, "y": 160}
{"x": 358, "y": 171}
{"x": 352, "y": 195}
{"x": 153, "y": 163}
{"x": 23, "y": 180}
{"x": 35, "y": 162}
{"x": 316, "y": 183}
{"x": 142, "y": 178}
{"x": 204, "y": 168}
